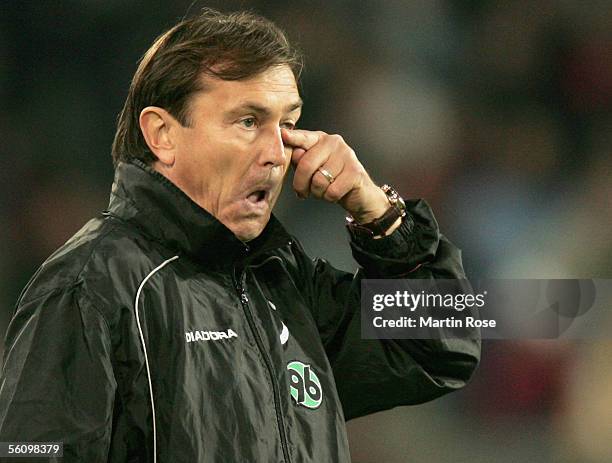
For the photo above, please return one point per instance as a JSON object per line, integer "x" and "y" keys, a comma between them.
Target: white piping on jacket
{"x": 144, "y": 348}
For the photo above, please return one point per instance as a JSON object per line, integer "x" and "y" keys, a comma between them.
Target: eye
{"x": 288, "y": 125}
{"x": 249, "y": 122}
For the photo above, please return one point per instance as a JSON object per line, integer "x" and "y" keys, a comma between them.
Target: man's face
{"x": 231, "y": 160}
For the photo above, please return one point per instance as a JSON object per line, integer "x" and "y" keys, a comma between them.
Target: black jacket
{"x": 252, "y": 353}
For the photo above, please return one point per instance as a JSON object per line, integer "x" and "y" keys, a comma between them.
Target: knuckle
{"x": 357, "y": 170}
{"x": 351, "y": 162}
{"x": 337, "y": 139}
{"x": 333, "y": 194}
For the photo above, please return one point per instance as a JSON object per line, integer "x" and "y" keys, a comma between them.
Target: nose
{"x": 273, "y": 149}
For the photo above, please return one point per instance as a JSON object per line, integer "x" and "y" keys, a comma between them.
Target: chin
{"x": 248, "y": 232}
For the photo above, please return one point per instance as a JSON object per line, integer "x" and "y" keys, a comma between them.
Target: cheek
{"x": 223, "y": 157}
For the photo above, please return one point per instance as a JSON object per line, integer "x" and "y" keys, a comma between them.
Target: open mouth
{"x": 257, "y": 196}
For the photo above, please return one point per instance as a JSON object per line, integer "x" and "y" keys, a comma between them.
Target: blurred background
{"x": 499, "y": 113}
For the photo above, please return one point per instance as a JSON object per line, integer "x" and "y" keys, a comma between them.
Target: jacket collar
{"x": 145, "y": 198}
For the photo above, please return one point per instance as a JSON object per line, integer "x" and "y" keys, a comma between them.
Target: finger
{"x": 296, "y": 155}
{"x": 319, "y": 183}
{"x": 297, "y": 138}
{"x": 341, "y": 186}
{"x": 306, "y": 168}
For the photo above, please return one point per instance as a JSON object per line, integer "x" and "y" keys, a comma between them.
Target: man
{"x": 184, "y": 324}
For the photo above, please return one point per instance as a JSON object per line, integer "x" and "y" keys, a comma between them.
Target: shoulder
{"x": 106, "y": 258}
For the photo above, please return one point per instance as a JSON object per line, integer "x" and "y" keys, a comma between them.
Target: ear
{"x": 157, "y": 126}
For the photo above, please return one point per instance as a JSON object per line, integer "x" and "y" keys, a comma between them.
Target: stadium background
{"x": 498, "y": 113}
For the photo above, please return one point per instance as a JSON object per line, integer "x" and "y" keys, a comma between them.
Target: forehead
{"x": 274, "y": 87}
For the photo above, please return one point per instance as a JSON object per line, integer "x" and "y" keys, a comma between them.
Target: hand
{"x": 351, "y": 187}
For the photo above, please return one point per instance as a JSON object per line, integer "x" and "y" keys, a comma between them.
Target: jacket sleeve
{"x": 375, "y": 375}
{"x": 57, "y": 383}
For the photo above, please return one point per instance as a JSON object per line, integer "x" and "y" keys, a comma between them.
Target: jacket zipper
{"x": 244, "y": 299}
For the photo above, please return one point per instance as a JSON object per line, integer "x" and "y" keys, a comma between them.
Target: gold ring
{"x": 330, "y": 178}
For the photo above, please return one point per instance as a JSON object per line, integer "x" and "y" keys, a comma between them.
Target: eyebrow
{"x": 263, "y": 110}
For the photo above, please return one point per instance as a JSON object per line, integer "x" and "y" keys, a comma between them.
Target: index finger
{"x": 298, "y": 138}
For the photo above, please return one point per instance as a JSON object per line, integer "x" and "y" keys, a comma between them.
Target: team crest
{"x": 304, "y": 385}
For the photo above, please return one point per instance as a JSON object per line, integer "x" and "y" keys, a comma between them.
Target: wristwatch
{"x": 378, "y": 227}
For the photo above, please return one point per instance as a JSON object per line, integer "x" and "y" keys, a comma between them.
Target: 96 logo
{"x": 304, "y": 385}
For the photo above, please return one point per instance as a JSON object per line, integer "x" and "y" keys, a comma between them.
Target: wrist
{"x": 375, "y": 206}
{"x": 387, "y": 216}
